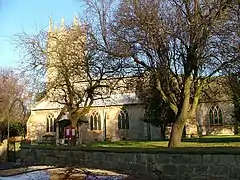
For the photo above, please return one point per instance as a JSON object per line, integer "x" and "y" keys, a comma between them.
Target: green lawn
{"x": 206, "y": 141}
{"x": 203, "y": 142}
{"x": 203, "y": 145}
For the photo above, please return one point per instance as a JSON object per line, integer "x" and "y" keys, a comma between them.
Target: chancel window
{"x": 50, "y": 123}
{"x": 95, "y": 121}
{"x": 123, "y": 120}
{"x": 215, "y": 116}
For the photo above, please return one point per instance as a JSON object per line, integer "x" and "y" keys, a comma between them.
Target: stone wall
{"x": 161, "y": 164}
{"x": 3, "y": 151}
{"x": 36, "y": 125}
{"x": 203, "y": 119}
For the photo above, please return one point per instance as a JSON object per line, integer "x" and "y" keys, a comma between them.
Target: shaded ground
{"x": 8, "y": 165}
{"x": 38, "y": 175}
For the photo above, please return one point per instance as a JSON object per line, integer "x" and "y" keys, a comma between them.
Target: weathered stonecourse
{"x": 179, "y": 164}
{"x": 3, "y": 151}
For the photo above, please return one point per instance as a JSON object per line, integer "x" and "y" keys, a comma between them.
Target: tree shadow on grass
{"x": 213, "y": 139}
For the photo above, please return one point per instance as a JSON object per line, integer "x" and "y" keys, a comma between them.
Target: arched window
{"x": 215, "y": 116}
{"x": 50, "y": 124}
{"x": 123, "y": 120}
{"x": 95, "y": 121}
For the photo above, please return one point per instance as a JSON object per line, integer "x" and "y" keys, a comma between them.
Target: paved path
{"x": 21, "y": 170}
{"x": 49, "y": 172}
{"x": 38, "y": 175}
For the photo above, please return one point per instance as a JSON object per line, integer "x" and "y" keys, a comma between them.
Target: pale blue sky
{"x": 29, "y": 16}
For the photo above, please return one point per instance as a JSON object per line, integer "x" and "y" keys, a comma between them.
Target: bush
{"x": 17, "y": 129}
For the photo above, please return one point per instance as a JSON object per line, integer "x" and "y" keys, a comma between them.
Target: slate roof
{"x": 113, "y": 100}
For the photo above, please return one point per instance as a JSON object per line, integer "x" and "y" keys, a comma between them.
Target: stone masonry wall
{"x": 3, "y": 151}
{"x": 165, "y": 164}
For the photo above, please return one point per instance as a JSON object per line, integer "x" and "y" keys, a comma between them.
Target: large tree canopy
{"x": 182, "y": 43}
{"x": 76, "y": 72}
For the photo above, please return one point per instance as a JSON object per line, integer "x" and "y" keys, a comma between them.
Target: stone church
{"x": 120, "y": 117}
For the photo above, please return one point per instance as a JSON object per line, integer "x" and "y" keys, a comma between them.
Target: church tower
{"x": 61, "y": 42}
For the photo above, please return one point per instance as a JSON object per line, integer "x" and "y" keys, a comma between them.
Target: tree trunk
{"x": 163, "y": 131}
{"x": 181, "y": 118}
{"x": 176, "y": 134}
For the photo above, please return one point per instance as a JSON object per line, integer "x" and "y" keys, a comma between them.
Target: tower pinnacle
{"x": 62, "y": 24}
{"x": 55, "y": 28}
{"x": 75, "y": 21}
{"x": 50, "y": 25}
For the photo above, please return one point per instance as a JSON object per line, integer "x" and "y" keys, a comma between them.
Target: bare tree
{"x": 233, "y": 50}
{"x": 13, "y": 99}
{"x": 77, "y": 73}
{"x": 181, "y": 42}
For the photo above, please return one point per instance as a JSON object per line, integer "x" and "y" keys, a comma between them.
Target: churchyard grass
{"x": 206, "y": 141}
{"x": 202, "y": 142}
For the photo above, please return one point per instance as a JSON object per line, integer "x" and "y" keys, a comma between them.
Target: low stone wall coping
{"x": 162, "y": 150}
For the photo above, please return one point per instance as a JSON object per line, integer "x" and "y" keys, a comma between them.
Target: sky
{"x": 30, "y": 16}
